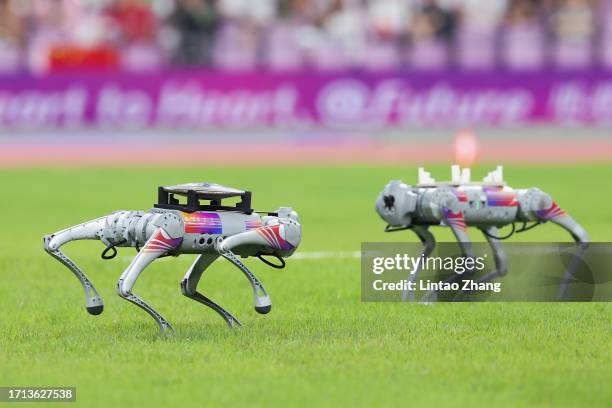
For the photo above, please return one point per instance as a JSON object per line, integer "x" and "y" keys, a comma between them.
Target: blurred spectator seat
{"x": 10, "y": 56}
{"x": 386, "y": 24}
{"x": 428, "y": 53}
{"x": 329, "y": 56}
{"x": 605, "y": 49}
{"x": 283, "y": 52}
{"x": 11, "y": 38}
{"x": 236, "y": 46}
{"x": 523, "y": 37}
{"x": 572, "y": 54}
{"x": 573, "y": 26}
{"x": 141, "y": 56}
{"x": 523, "y": 46}
{"x": 381, "y": 55}
{"x": 431, "y": 31}
{"x": 475, "y": 48}
{"x": 342, "y": 42}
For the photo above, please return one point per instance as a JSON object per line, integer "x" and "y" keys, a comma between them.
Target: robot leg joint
{"x": 185, "y": 289}
{"x": 122, "y": 289}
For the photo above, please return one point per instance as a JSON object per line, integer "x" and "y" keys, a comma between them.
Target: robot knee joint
{"x": 123, "y": 290}
{"x": 46, "y": 241}
{"x": 185, "y": 289}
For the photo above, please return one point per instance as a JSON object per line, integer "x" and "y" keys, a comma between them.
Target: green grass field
{"x": 320, "y": 345}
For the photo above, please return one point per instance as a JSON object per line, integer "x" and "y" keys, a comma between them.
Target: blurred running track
{"x": 155, "y": 147}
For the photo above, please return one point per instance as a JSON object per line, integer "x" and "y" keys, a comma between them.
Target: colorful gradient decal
{"x": 160, "y": 242}
{"x": 203, "y": 223}
{"x": 455, "y": 220}
{"x": 461, "y": 195}
{"x": 273, "y": 238}
{"x": 500, "y": 197}
{"x": 552, "y": 212}
{"x": 252, "y": 224}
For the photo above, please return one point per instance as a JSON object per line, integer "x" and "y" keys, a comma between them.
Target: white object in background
{"x": 425, "y": 177}
{"x": 455, "y": 173}
{"x": 466, "y": 175}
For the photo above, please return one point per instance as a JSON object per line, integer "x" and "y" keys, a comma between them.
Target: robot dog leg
{"x": 555, "y": 214}
{"x": 87, "y": 230}
{"x": 261, "y": 300}
{"x": 266, "y": 236}
{"x": 429, "y": 244}
{"x": 499, "y": 255}
{"x": 190, "y": 283}
{"x": 159, "y": 244}
{"x": 456, "y": 222}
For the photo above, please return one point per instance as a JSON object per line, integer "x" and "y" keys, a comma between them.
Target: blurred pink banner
{"x": 204, "y": 100}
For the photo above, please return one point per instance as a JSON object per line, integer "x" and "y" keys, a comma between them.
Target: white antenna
{"x": 495, "y": 176}
{"x": 466, "y": 175}
{"x": 425, "y": 177}
{"x": 455, "y": 173}
{"x": 500, "y": 174}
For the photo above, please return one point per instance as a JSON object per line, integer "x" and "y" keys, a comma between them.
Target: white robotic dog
{"x": 486, "y": 205}
{"x": 171, "y": 228}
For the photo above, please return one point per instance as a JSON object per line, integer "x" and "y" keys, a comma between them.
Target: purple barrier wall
{"x": 220, "y": 100}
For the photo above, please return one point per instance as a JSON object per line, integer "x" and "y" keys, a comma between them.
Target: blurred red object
{"x": 69, "y": 57}
{"x": 466, "y": 147}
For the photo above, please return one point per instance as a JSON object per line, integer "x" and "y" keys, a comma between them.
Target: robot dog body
{"x": 461, "y": 203}
{"x": 171, "y": 228}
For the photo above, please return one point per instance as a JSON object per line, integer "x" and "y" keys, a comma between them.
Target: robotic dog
{"x": 170, "y": 228}
{"x": 486, "y": 205}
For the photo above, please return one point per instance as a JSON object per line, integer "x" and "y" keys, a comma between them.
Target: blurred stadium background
{"x": 136, "y": 81}
{"x": 44, "y": 36}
